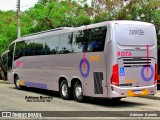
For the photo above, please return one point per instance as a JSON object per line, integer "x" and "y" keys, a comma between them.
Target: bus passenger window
{"x": 97, "y": 39}
{"x": 39, "y": 46}
{"x": 19, "y": 50}
{"x": 65, "y": 43}
{"x": 80, "y": 41}
{"x": 51, "y": 44}
{"x": 29, "y": 48}
{"x": 90, "y": 40}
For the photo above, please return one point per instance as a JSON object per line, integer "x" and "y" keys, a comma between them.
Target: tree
{"x": 146, "y": 10}
{"x": 8, "y": 29}
{"x": 50, "y": 14}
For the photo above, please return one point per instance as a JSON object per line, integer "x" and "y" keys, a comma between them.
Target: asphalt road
{"x": 12, "y": 99}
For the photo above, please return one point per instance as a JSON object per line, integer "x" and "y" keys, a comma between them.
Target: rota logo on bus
{"x": 124, "y": 54}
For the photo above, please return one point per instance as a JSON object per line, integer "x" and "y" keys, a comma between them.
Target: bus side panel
{"x": 39, "y": 72}
{"x": 44, "y": 71}
{"x": 84, "y": 66}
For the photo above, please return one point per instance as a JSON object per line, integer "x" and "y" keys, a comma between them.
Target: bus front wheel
{"x": 64, "y": 90}
{"x": 78, "y": 92}
{"x": 17, "y": 83}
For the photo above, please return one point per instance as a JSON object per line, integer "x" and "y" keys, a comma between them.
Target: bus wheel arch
{"x": 77, "y": 89}
{"x": 64, "y": 90}
{"x": 16, "y": 82}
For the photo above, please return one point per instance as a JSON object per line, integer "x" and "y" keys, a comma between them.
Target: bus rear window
{"x": 135, "y": 34}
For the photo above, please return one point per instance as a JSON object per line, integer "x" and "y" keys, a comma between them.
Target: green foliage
{"x": 53, "y": 14}
{"x": 8, "y": 29}
{"x": 50, "y": 14}
{"x": 146, "y": 10}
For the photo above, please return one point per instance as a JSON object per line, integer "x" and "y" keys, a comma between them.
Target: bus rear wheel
{"x": 64, "y": 90}
{"x": 78, "y": 92}
{"x": 17, "y": 83}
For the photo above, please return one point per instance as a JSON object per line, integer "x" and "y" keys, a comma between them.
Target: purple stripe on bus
{"x": 36, "y": 85}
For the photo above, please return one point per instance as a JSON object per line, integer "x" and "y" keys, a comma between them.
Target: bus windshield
{"x": 135, "y": 34}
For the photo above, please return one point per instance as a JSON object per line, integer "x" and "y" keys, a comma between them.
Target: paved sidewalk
{"x": 4, "y": 82}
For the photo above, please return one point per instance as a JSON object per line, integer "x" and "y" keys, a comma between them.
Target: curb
{"x": 151, "y": 97}
{"x": 4, "y": 82}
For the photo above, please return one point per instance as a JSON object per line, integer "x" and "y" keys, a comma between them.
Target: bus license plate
{"x": 137, "y": 92}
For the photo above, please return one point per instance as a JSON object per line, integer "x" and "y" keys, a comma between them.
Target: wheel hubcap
{"x": 64, "y": 90}
{"x": 17, "y": 83}
{"x": 78, "y": 92}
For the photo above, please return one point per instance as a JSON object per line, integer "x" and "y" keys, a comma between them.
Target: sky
{"x": 6, "y": 5}
{"x": 11, "y": 4}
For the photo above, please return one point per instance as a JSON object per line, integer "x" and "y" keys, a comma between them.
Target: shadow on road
{"x": 113, "y": 103}
{"x": 42, "y": 91}
{"x": 100, "y": 102}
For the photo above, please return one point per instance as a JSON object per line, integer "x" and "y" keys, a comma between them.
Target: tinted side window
{"x": 80, "y": 41}
{"x": 90, "y": 40}
{"x": 19, "y": 50}
{"x": 65, "y": 43}
{"x": 29, "y": 48}
{"x": 39, "y": 46}
{"x": 97, "y": 39}
{"x": 51, "y": 45}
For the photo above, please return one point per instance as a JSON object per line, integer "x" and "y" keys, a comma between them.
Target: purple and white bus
{"x": 112, "y": 59}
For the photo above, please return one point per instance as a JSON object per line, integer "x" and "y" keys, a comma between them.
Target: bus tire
{"x": 78, "y": 92}
{"x": 16, "y": 82}
{"x": 64, "y": 90}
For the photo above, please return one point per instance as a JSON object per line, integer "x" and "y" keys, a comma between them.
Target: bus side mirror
{"x": 4, "y": 58}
